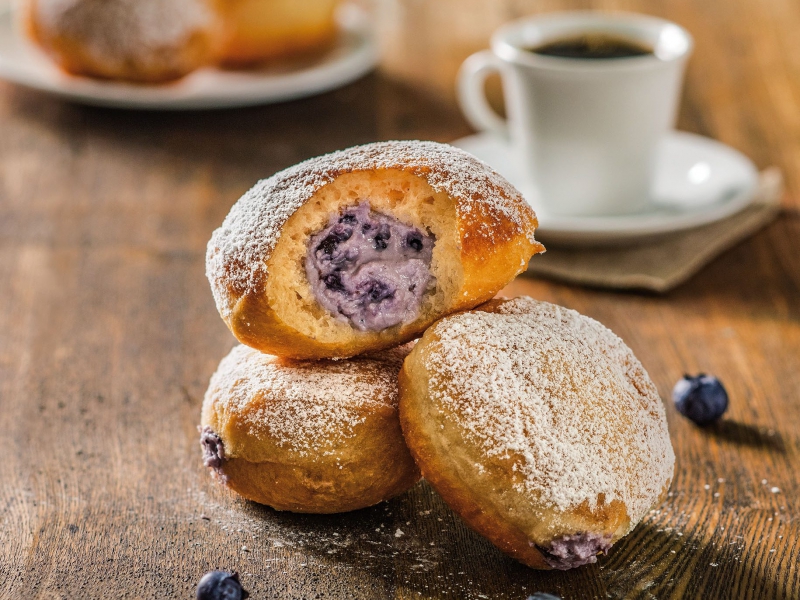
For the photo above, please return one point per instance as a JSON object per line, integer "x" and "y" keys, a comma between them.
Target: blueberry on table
{"x": 543, "y": 596}
{"x": 701, "y": 399}
{"x": 220, "y": 585}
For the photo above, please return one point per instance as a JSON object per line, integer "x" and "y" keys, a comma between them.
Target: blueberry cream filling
{"x": 576, "y": 550}
{"x": 213, "y": 450}
{"x": 370, "y": 269}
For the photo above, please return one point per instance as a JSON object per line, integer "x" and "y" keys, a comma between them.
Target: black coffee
{"x": 593, "y": 46}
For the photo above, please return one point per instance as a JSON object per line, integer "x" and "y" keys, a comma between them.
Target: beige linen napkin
{"x": 669, "y": 260}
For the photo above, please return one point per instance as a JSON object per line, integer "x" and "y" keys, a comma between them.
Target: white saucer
{"x": 698, "y": 181}
{"x": 354, "y": 55}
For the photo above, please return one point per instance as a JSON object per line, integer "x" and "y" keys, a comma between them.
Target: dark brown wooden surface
{"x": 108, "y": 335}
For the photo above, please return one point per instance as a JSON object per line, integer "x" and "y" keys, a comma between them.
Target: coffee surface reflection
{"x": 593, "y": 46}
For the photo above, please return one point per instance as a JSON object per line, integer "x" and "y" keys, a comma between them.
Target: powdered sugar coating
{"x": 562, "y": 396}
{"x": 307, "y": 407}
{"x": 236, "y": 260}
{"x": 125, "y": 30}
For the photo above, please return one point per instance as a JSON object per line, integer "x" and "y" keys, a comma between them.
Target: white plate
{"x": 354, "y": 55}
{"x": 698, "y": 181}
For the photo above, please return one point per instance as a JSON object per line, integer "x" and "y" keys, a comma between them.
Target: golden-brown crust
{"x": 494, "y": 228}
{"x": 71, "y": 37}
{"x": 309, "y": 437}
{"x": 320, "y": 487}
{"x": 453, "y": 489}
{"x": 488, "y": 489}
{"x": 254, "y": 323}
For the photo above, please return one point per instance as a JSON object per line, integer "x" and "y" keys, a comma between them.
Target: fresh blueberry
{"x": 348, "y": 218}
{"x": 543, "y": 596}
{"x": 220, "y": 585}
{"x": 701, "y": 399}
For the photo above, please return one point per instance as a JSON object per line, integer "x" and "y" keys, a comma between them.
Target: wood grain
{"x": 108, "y": 335}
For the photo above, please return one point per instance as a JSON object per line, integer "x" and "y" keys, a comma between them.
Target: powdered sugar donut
{"x": 313, "y": 437}
{"x": 539, "y": 427}
{"x": 135, "y": 40}
{"x": 364, "y": 248}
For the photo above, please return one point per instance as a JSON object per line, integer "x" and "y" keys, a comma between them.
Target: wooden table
{"x": 108, "y": 335}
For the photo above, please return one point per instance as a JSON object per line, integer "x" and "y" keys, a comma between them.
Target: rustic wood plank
{"x": 108, "y": 335}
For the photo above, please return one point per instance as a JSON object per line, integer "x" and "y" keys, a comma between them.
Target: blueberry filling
{"x": 370, "y": 269}
{"x": 572, "y": 551}
{"x": 340, "y": 233}
{"x": 213, "y": 450}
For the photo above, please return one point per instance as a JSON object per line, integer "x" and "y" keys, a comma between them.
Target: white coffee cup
{"x": 586, "y": 129}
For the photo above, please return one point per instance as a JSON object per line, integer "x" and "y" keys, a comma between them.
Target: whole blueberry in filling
{"x": 369, "y": 268}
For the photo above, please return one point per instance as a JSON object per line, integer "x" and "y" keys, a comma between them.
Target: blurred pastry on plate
{"x": 145, "y": 41}
{"x": 259, "y": 30}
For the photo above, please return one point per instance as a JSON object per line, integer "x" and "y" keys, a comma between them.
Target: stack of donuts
{"x": 153, "y": 41}
{"x": 537, "y": 425}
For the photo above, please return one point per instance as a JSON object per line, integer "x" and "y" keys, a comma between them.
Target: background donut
{"x": 259, "y": 30}
{"x": 147, "y": 41}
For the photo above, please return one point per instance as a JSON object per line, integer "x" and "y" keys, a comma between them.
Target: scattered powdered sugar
{"x": 123, "y": 29}
{"x": 307, "y": 407}
{"x": 236, "y": 261}
{"x": 562, "y": 395}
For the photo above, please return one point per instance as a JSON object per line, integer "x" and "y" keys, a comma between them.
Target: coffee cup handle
{"x": 472, "y": 95}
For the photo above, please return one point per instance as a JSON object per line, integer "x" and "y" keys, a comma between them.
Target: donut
{"x": 539, "y": 427}
{"x": 363, "y": 249}
{"x": 146, "y": 41}
{"x": 259, "y": 30}
{"x": 310, "y": 437}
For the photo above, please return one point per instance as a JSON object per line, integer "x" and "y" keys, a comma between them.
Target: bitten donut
{"x": 539, "y": 427}
{"x": 364, "y": 248}
{"x": 258, "y": 30}
{"x": 312, "y": 437}
{"x": 147, "y": 41}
